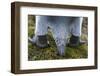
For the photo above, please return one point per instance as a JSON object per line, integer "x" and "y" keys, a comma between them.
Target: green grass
{"x": 50, "y": 53}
